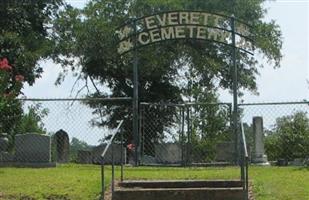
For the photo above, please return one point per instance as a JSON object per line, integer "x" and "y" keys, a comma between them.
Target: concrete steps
{"x": 179, "y": 190}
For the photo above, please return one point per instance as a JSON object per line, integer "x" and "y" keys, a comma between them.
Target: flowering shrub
{"x": 10, "y": 87}
{"x": 4, "y": 65}
{"x": 11, "y": 83}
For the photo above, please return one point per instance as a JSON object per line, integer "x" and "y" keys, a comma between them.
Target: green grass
{"x": 83, "y": 181}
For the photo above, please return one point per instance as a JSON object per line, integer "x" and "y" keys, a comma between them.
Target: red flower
{"x": 19, "y": 78}
{"x": 131, "y": 147}
{"x": 4, "y": 65}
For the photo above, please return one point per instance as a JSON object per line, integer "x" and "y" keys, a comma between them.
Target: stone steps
{"x": 179, "y": 190}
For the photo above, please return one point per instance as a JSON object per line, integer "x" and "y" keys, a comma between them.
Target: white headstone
{"x": 258, "y": 156}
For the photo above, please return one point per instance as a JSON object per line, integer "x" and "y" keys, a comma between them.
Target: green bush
{"x": 290, "y": 138}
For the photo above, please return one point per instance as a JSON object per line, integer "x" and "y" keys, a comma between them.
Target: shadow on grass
{"x": 26, "y": 197}
{"x": 302, "y": 168}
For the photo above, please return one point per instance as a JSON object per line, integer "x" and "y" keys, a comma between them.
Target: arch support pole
{"x": 235, "y": 91}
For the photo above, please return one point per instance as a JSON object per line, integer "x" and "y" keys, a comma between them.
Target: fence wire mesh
{"x": 285, "y": 130}
{"x": 188, "y": 134}
{"x": 62, "y": 131}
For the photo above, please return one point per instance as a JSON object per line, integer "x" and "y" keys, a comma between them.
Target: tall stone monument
{"x": 62, "y": 146}
{"x": 258, "y": 153}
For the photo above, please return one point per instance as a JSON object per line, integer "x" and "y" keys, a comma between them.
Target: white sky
{"x": 287, "y": 83}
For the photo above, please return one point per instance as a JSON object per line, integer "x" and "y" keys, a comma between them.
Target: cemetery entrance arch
{"x": 183, "y": 25}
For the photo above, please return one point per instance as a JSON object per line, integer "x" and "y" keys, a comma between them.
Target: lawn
{"x": 83, "y": 181}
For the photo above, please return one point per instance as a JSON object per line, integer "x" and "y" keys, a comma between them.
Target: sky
{"x": 288, "y": 83}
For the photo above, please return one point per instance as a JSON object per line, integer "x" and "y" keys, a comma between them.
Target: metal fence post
{"x": 122, "y": 151}
{"x": 235, "y": 90}
{"x": 135, "y": 98}
{"x": 182, "y": 135}
{"x": 113, "y": 170}
{"x": 102, "y": 179}
{"x": 189, "y": 137}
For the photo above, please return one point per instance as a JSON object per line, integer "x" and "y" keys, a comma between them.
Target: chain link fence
{"x": 285, "y": 130}
{"x": 49, "y": 131}
{"x": 185, "y": 134}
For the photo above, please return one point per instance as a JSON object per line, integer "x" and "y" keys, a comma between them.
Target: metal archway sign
{"x": 175, "y": 25}
{"x": 180, "y": 25}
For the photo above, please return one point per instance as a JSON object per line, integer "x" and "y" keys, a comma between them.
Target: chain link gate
{"x": 186, "y": 134}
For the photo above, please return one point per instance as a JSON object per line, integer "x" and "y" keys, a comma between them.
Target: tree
{"x": 173, "y": 71}
{"x": 290, "y": 138}
{"x": 77, "y": 145}
{"x": 25, "y": 36}
{"x": 10, "y": 108}
{"x": 32, "y": 121}
{"x": 24, "y": 41}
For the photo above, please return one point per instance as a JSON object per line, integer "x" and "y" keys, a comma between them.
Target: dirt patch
{"x": 251, "y": 195}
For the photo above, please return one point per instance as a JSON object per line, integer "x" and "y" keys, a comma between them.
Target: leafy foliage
{"x": 77, "y": 145}
{"x": 31, "y": 122}
{"x": 10, "y": 108}
{"x": 290, "y": 138}
{"x": 24, "y": 41}
{"x": 87, "y": 37}
{"x": 25, "y": 35}
{"x": 210, "y": 126}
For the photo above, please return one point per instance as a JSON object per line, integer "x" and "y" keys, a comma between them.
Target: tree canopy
{"x": 85, "y": 41}
{"x": 173, "y": 71}
{"x": 25, "y": 39}
{"x": 25, "y": 35}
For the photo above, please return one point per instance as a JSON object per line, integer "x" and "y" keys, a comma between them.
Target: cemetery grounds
{"x": 76, "y": 181}
{"x": 72, "y": 181}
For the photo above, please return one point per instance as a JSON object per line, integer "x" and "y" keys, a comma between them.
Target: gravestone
{"x": 148, "y": 160}
{"x": 62, "y": 146}
{"x": 97, "y": 152}
{"x": 306, "y": 162}
{"x": 32, "y": 148}
{"x": 225, "y": 152}
{"x": 282, "y": 162}
{"x": 168, "y": 153}
{"x": 6, "y": 157}
{"x": 258, "y": 156}
{"x": 84, "y": 157}
{"x": 297, "y": 162}
{"x": 4, "y": 145}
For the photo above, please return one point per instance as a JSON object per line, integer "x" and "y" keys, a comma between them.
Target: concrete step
{"x": 179, "y": 190}
{"x": 181, "y": 184}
